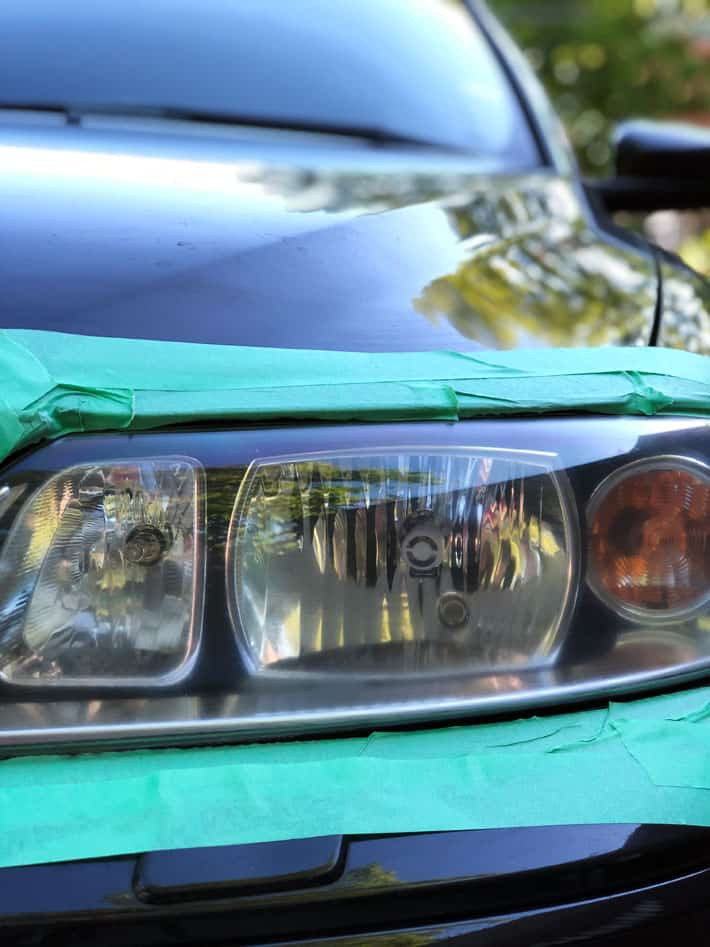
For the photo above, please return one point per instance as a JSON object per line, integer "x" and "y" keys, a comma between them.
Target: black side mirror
{"x": 659, "y": 166}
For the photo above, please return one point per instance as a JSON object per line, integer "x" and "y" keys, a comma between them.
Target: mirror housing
{"x": 644, "y": 149}
{"x": 659, "y": 166}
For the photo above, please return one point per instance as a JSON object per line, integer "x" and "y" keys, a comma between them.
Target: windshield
{"x": 400, "y": 69}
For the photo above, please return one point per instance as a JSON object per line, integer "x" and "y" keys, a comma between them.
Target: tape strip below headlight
{"x": 642, "y": 761}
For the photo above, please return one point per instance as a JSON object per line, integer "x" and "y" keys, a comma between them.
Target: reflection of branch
{"x": 370, "y": 876}
{"x": 686, "y": 319}
{"x": 553, "y": 284}
{"x": 398, "y": 939}
{"x": 532, "y": 272}
{"x": 308, "y": 190}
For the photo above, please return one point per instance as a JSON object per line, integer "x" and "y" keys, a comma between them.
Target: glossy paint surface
{"x": 601, "y": 885}
{"x": 137, "y": 228}
{"x": 410, "y": 69}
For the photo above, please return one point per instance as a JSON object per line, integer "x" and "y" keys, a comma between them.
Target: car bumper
{"x": 603, "y": 885}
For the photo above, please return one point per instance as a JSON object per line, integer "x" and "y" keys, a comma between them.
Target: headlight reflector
{"x": 402, "y": 562}
{"x": 100, "y": 576}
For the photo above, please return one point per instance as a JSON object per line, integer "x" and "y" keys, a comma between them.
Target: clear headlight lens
{"x": 402, "y": 562}
{"x": 100, "y": 576}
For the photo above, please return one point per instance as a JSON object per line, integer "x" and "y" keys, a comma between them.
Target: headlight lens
{"x": 402, "y": 562}
{"x": 349, "y": 575}
{"x": 650, "y": 539}
{"x": 100, "y": 576}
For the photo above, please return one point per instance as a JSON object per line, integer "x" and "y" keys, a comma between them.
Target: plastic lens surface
{"x": 650, "y": 539}
{"x": 100, "y": 576}
{"x": 354, "y": 576}
{"x": 402, "y": 562}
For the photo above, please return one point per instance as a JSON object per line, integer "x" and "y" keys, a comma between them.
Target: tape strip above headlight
{"x": 55, "y": 384}
{"x": 642, "y": 761}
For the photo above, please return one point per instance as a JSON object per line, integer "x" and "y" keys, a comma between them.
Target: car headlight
{"x": 238, "y": 583}
{"x": 649, "y": 539}
{"x": 100, "y": 576}
{"x": 402, "y": 562}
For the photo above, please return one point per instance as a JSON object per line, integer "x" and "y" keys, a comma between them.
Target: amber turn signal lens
{"x": 649, "y": 539}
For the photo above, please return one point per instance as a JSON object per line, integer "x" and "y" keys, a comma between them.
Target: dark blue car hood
{"x": 140, "y": 229}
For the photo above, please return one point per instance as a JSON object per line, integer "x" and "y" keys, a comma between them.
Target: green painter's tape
{"x": 54, "y": 384}
{"x": 637, "y": 761}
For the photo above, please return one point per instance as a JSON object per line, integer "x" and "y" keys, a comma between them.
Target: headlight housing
{"x": 198, "y": 585}
{"x": 100, "y": 576}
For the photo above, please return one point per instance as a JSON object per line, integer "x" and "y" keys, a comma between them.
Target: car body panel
{"x": 302, "y": 243}
{"x": 588, "y": 884}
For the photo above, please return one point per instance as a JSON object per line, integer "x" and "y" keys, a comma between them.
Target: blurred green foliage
{"x": 605, "y": 60}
